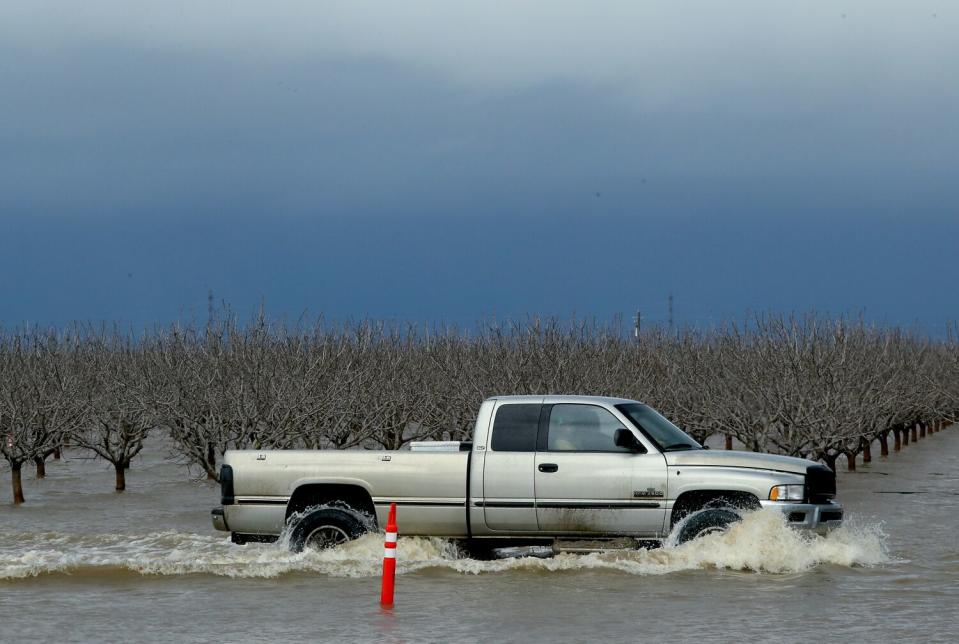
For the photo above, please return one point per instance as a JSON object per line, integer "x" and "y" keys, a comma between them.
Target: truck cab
{"x": 553, "y": 464}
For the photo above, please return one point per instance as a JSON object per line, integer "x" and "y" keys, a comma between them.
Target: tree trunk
{"x": 850, "y": 461}
{"x": 905, "y": 436}
{"x": 729, "y": 442}
{"x": 884, "y": 444}
{"x": 866, "y": 451}
{"x": 17, "y": 483}
{"x": 922, "y": 430}
{"x": 41, "y": 467}
{"x": 898, "y": 440}
{"x": 912, "y": 433}
{"x": 56, "y": 453}
{"x": 121, "y": 471}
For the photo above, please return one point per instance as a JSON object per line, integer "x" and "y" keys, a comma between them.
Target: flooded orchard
{"x": 81, "y": 562}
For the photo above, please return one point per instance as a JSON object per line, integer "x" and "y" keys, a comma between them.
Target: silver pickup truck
{"x": 568, "y": 468}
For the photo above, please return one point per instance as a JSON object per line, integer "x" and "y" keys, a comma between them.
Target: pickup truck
{"x": 555, "y": 468}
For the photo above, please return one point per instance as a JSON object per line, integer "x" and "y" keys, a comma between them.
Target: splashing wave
{"x": 761, "y": 542}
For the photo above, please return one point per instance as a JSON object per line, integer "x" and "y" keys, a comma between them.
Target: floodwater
{"x": 80, "y": 562}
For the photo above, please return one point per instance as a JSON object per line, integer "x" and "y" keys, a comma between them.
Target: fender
{"x": 692, "y": 478}
{"x": 329, "y": 480}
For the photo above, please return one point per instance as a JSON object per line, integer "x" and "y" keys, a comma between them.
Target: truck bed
{"x": 431, "y": 486}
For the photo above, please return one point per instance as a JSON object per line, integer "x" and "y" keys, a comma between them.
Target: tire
{"x": 706, "y": 522}
{"x": 326, "y": 528}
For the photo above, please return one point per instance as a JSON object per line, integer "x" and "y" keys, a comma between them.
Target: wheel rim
{"x": 326, "y": 536}
{"x": 711, "y": 530}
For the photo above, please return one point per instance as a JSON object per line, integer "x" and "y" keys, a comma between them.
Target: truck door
{"x": 508, "y": 497}
{"x": 585, "y": 484}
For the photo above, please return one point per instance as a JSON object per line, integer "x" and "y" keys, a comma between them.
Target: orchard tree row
{"x": 803, "y": 386}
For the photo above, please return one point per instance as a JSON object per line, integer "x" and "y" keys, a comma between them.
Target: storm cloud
{"x": 445, "y": 161}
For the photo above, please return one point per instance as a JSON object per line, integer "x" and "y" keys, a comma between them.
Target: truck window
{"x": 582, "y": 428}
{"x": 514, "y": 428}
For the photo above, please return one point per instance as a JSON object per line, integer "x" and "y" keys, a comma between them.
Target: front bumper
{"x": 219, "y": 519}
{"x": 820, "y": 518}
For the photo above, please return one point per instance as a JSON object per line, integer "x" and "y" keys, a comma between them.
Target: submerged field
{"x": 79, "y": 562}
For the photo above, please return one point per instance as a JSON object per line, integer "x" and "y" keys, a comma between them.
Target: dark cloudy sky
{"x": 446, "y": 161}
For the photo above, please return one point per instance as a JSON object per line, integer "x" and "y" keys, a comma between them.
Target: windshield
{"x": 667, "y": 436}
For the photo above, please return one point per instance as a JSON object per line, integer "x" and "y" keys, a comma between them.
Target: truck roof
{"x": 551, "y": 399}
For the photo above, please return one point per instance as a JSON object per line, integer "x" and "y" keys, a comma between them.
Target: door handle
{"x": 548, "y": 467}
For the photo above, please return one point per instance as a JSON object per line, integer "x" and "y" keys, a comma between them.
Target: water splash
{"x": 762, "y": 542}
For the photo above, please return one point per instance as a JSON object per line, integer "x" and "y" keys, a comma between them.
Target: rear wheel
{"x": 706, "y": 522}
{"x": 323, "y": 528}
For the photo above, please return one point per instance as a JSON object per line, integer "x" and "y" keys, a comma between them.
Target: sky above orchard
{"x": 446, "y": 162}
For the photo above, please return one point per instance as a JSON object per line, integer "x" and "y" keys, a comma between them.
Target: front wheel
{"x": 323, "y": 528}
{"x": 706, "y": 522}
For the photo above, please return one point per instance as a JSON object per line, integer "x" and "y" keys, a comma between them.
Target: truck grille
{"x": 820, "y": 484}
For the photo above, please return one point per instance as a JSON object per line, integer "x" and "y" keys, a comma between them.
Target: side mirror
{"x": 625, "y": 438}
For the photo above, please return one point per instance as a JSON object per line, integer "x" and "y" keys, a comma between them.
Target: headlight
{"x": 787, "y": 493}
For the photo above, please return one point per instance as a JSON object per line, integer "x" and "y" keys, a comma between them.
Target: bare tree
{"x": 120, "y": 418}
{"x": 40, "y": 399}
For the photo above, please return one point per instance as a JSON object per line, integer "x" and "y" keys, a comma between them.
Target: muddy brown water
{"x": 80, "y": 562}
